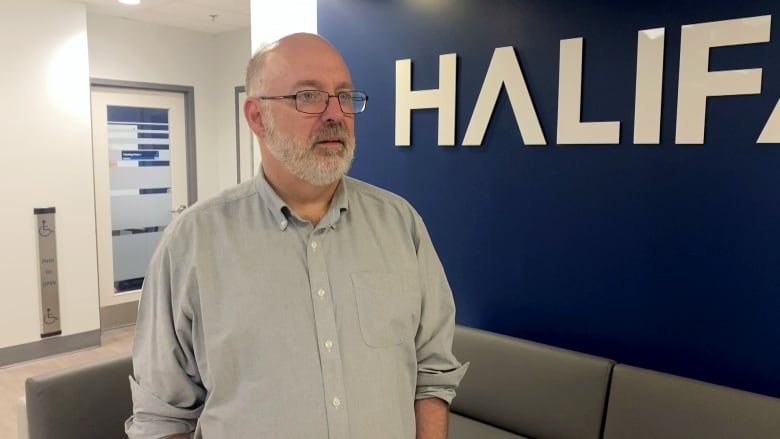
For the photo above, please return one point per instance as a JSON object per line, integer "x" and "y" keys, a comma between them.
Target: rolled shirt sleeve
{"x": 438, "y": 371}
{"x": 153, "y": 418}
{"x": 167, "y": 390}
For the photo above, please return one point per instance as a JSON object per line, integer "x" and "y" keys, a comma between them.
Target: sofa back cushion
{"x": 91, "y": 401}
{"x": 529, "y": 388}
{"x": 646, "y": 404}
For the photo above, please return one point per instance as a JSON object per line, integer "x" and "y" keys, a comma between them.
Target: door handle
{"x": 179, "y": 209}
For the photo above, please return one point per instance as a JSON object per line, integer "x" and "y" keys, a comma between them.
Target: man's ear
{"x": 254, "y": 116}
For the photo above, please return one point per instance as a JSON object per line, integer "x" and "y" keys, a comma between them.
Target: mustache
{"x": 332, "y": 132}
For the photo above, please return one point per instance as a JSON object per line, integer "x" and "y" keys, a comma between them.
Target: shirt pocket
{"x": 384, "y": 308}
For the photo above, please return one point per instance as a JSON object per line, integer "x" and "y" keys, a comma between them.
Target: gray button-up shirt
{"x": 254, "y": 323}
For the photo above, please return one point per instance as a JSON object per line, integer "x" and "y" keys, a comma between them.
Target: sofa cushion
{"x": 529, "y": 388}
{"x": 90, "y": 401}
{"x": 462, "y": 427}
{"x": 645, "y": 404}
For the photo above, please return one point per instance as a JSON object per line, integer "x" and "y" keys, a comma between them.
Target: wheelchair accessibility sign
{"x": 49, "y": 284}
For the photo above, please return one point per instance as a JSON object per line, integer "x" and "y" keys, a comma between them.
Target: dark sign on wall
{"x": 598, "y": 175}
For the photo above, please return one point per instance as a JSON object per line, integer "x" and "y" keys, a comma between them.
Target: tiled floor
{"x": 113, "y": 343}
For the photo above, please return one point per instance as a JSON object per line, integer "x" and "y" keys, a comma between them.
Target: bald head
{"x": 281, "y": 58}
{"x": 300, "y": 149}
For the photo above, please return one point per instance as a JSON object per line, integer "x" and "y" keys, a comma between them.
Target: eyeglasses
{"x": 316, "y": 101}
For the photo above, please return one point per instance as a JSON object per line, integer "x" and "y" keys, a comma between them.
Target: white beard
{"x": 317, "y": 166}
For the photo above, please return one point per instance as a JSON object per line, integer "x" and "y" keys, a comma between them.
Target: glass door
{"x": 140, "y": 183}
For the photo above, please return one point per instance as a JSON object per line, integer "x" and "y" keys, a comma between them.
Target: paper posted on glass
{"x": 47, "y": 256}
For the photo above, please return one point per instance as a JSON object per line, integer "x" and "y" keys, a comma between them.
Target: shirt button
{"x": 314, "y": 245}
{"x": 321, "y": 293}
{"x": 336, "y": 402}
{"x": 283, "y": 224}
{"x": 328, "y": 345}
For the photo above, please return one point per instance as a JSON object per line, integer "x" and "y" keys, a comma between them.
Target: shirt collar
{"x": 339, "y": 204}
{"x": 271, "y": 200}
{"x": 280, "y": 210}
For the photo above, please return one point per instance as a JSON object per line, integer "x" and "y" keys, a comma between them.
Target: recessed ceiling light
{"x": 130, "y": 2}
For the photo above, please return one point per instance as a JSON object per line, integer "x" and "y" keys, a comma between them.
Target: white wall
{"x": 213, "y": 64}
{"x": 50, "y": 49}
{"x": 233, "y": 52}
{"x": 46, "y": 161}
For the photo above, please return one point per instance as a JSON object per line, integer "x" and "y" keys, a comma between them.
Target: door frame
{"x": 189, "y": 121}
{"x": 250, "y": 142}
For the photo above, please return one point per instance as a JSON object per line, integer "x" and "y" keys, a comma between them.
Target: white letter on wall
{"x": 504, "y": 70}
{"x": 442, "y": 98}
{"x": 771, "y": 131}
{"x": 649, "y": 86}
{"x": 697, "y": 82}
{"x": 570, "y": 129}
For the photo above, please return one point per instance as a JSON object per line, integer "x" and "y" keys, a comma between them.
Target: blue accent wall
{"x": 661, "y": 256}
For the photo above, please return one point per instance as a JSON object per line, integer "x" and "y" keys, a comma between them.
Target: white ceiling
{"x": 211, "y": 16}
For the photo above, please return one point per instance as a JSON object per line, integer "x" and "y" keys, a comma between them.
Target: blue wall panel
{"x": 663, "y": 256}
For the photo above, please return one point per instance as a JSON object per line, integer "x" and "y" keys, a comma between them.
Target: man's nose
{"x": 333, "y": 109}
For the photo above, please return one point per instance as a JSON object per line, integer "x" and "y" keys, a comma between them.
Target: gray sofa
{"x": 644, "y": 404}
{"x": 519, "y": 389}
{"x": 81, "y": 402}
{"x": 514, "y": 389}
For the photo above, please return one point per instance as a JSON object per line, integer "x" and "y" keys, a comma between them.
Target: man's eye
{"x": 307, "y": 96}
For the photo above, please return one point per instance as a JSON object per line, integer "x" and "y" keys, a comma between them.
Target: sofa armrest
{"x": 79, "y": 402}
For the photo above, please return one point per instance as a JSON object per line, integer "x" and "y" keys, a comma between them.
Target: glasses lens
{"x": 311, "y": 101}
{"x": 352, "y": 101}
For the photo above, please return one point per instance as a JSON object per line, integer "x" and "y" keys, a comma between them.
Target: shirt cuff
{"x": 440, "y": 385}
{"x": 154, "y": 418}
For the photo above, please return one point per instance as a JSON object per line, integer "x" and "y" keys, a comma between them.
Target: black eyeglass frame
{"x": 363, "y": 98}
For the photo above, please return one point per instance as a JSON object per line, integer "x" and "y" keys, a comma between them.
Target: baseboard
{"x": 117, "y": 316}
{"x": 49, "y": 346}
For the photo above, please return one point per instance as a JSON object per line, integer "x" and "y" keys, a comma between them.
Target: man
{"x": 303, "y": 304}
